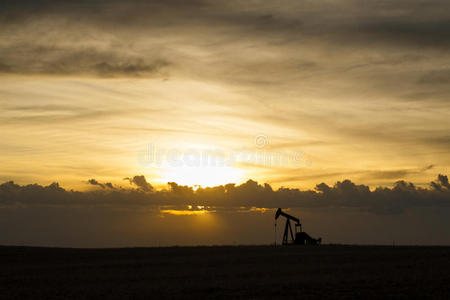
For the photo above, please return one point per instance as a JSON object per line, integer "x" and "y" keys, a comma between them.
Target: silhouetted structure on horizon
{"x": 300, "y": 238}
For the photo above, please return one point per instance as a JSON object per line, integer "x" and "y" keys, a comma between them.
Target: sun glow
{"x": 202, "y": 176}
{"x": 185, "y": 212}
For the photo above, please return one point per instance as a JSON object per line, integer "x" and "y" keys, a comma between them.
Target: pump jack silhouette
{"x": 300, "y": 237}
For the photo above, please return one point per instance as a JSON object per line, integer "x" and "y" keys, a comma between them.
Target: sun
{"x": 202, "y": 176}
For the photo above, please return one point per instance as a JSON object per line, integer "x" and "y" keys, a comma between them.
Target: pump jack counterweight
{"x": 300, "y": 237}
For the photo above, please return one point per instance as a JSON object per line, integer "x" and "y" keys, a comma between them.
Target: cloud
{"x": 4, "y": 68}
{"x": 441, "y": 183}
{"x": 141, "y": 182}
{"x": 102, "y": 185}
{"x": 394, "y": 174}
{"x": 95, "y": 182}
{"x": 436, "y": 77}
{"x": 343, "y": 194}
{"x": 26, "y": 58}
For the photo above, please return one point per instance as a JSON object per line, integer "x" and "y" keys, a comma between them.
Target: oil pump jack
{"x": 301, "y": 237}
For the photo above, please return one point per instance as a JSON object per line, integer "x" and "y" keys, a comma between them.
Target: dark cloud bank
{"x": 139, "y": 215}
{"x": 343, "y": 194}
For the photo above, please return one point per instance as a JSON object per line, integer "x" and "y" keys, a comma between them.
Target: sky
{"x": 105, "y": 97}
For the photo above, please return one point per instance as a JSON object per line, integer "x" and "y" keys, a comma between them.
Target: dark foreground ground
{"x": 225, "y": 272}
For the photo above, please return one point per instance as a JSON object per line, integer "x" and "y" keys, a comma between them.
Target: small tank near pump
{"x": 296, "y": 236}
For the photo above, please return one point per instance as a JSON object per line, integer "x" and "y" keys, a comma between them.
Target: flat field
{"x": 326, "y": 271}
